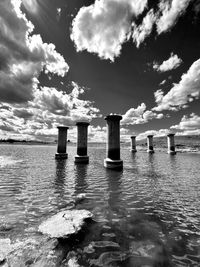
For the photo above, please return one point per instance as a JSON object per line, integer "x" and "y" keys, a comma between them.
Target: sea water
{"x": 146, "y": 215}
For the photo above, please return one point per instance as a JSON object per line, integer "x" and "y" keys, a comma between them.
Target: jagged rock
{"x": 40, "y": 252}
{"x": 5, "y": 248}
{"x": 65, "y": 223}
{"x": 73, "y": 262}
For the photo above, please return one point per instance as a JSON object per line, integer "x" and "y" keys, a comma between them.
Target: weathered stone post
{"x": 171, "y": 144}
{"x": 133, "y": 144}
{"x": 150, "y": 144}
{"x": 62, "y": 143}
{"x": 113, "y": 160}
{"x": 82, "y": 135}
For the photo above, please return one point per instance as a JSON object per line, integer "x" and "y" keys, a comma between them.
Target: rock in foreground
{"x": 5, "y": 248}
{"x": 64, "y": 223}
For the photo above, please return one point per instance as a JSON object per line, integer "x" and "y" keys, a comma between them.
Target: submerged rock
{"x": 65, "y": 223}
{"x": 146, "y": 248}
{"x": 72, "y": 259}
{"x": 79, "y": 198}
{"x": 73, "y": 263}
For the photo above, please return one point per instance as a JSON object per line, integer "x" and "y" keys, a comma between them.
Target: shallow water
{"x": 147, "y": 215}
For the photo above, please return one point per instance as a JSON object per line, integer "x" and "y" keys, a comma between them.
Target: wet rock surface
{"x": 65, "y": 223}
{"x": 63, "y": 232}
{"x": 30, "y": 252}
{"x": 5, "y": 248}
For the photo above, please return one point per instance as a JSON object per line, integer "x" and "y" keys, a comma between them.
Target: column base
{"x": 133, "y": 150}
{"x": 113, "y": 164}
{"x": 61, "y": 156}
{"x": 171, "y": 152}
{"x": 81, "y": 159}
{"x": 150, "y": 151}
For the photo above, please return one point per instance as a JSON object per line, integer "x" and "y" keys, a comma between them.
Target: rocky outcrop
{"x": 65, "y": 223}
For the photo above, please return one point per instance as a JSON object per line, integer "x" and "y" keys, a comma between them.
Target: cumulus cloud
{"x": 181, "y": 93}
{"x": 165, "y": 18}
{"x": 188, "y": 123}
{"x": 144, "y": 29}
{"x": 171, "y": 63}
{"x": 104, "y": 26}
{"x": 99, "y": 134}
{"x": 23, "y": 55}
{"x": 170, "y": 13}
{"x": 139, "y": 115}
{"x": 48, "y": 109}
{"x": 29, "y": 111}
{"x": 155, "y": 133}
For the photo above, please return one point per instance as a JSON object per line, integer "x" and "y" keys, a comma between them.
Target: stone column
{"x": 62, "y": 143}
{"x": 150, "y": 144}
{"x": 82, "y": 157}
{"x": 133, "y": 144}
{"x": 171, "y": 144}
{"x": 113, "y": 160}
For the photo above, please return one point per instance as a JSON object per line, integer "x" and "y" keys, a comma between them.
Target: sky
{"x": 63, "y": 61}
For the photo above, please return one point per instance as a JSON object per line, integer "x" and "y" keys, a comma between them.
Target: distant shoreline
{"x": 182, "y": 143}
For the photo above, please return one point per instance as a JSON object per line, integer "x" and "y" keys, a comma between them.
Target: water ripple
{"x": 149, "y": 214}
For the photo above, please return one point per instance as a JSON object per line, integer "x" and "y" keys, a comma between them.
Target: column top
{"x": 113, "y": 117}
{"x": 171, "y": 134}
{"x": 82, "y": 123}
{"x": 63, "y": 127}
{"x": 150, "y": 135}
{"x": 133, "y": 136}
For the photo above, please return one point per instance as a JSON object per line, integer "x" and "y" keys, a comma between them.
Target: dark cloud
{"x": 23, "y": 56}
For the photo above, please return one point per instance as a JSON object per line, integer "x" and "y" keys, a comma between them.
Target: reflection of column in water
{"x": 80, "y": 172}
{"x": 115, "y": 190}
{"x": 151, "y": 165}
{"x": 60, "y": 179}
{"x": 174, "y": 167}
{"x": 135, "y": 162}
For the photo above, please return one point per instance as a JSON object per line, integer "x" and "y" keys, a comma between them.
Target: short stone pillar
{"x": 113, "y": 160}
{"x": 82, "y": 135}
{"x": 171, "y": 144}
{"x": 133, "y": 144}
{"x": 62, "y": 143}
{"x": 150, "y": 144}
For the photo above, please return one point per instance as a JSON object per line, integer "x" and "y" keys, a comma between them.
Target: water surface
{"x": 147, "y": 215}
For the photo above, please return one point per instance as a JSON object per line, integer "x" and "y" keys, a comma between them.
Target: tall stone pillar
{"x": 82, "y": 135}
{"x": 171, "y": 144}
{"x": 133, "y": 144}
{"x": 113, "y": 160}
{"x": 150, "y": 144}
{"x": 62, "y": 143}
